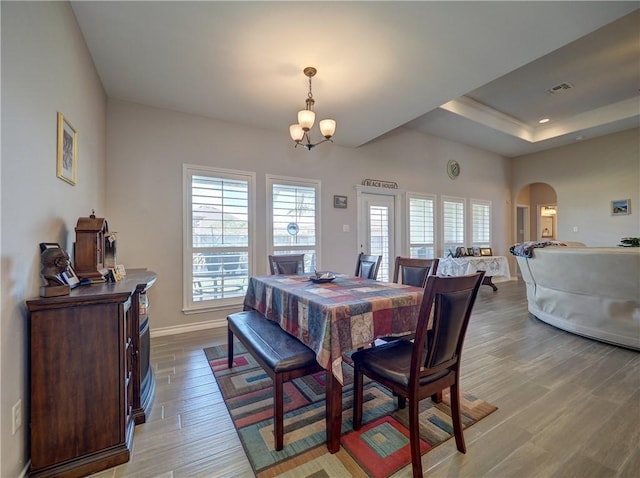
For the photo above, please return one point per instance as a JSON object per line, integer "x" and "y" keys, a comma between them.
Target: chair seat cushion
{"x": 278, "y": 349}
{"x": 391, "y": 361}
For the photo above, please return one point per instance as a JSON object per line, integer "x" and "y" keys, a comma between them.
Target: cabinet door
{"x": 129, "y": 362}
{"x": 77, "y": 382}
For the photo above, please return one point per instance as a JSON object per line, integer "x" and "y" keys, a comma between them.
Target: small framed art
{"x": 340, "y": 202}
{"x": 546, "y": 223}
{"x": 67, "y": 162}
{"x": 621, "y": 207}
{"x": 486, "y": 251}
{"x": 70, "y": 277}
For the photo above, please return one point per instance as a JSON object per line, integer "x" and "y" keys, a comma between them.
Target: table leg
{"x": 486, "y": 280}
{"x": 334, "y": 412}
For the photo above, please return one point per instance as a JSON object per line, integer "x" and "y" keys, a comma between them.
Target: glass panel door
{"x": 378, "y": 228}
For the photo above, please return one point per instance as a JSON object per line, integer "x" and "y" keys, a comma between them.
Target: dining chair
{"x": 287, "y": 264}
{"x": 414, "y": 370}
{"x": 412, "y": 271}
{"x": 367, "y": 266}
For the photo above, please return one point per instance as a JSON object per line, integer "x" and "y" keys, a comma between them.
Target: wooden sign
{"x": 376, "y": 183}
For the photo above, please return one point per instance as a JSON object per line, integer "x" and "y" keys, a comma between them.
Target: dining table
{"x": 333, "y": 317}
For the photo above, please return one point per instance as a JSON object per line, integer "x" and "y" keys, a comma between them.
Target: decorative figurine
{"x": 54, "y": 262}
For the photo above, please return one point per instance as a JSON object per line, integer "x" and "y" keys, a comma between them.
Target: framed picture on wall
{"x": 340, "y": 202}
{"x": 546, "y": 223}
{"x": 67, "y": 163}
{"x": 621, "y": 207}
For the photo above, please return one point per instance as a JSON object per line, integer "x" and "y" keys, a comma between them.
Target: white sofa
{"x": 590, "y": 291}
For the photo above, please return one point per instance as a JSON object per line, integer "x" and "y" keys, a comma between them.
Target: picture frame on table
{"x": 67, "y": 152}
{"x": 70, "y": 277}
{"x": 476, "y": 252}
{"x": 49, "y": 245}
{"x": 621, "y": 207}
{"x": 469, "y": 251}
{"x": 340, "y": 202}
{"x": 486, "y": 251}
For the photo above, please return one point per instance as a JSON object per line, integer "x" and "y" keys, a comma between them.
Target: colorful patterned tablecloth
{"x": 338, "y": 316}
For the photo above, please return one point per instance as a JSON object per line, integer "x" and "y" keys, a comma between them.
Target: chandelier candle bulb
{"x": 327, "y": 128}
{"x": 306, "y": 118}
{"x": 296, "y": 132}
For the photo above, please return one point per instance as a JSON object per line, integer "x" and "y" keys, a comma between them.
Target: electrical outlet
{"x": 17, "y": 416}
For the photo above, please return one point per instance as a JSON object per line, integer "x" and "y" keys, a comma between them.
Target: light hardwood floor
{"x": 568, "y": 406}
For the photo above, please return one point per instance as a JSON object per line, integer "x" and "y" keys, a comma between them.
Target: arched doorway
{"x": 536, "y": 213}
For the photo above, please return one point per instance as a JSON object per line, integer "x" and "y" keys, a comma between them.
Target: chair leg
{"x": 357, "y": 398}
{"x": 437, "y": 397}
{"x": 229, "y": 347}
{"x": 402, "y": 402}
{"x": 414, "y": 436}
{"x": 278, "y": 412}
{"x": 456, "y": 418}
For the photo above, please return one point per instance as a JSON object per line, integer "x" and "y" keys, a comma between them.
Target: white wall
{"x": 587, "y": 176}
{"x": 147, "y": 148}
{"x": 46, "y": 68}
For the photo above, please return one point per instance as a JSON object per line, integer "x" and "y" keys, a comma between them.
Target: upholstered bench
{"x": 280, "y": 354}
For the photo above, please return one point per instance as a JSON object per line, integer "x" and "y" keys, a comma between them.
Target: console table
{"x": 460, "y": 266}
{"x": 90, "y": 376}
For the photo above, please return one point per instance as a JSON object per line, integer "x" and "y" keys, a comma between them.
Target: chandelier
{"x": 307, "y": 117}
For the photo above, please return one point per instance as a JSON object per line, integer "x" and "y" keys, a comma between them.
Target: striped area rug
{"x": 378, "y": 450}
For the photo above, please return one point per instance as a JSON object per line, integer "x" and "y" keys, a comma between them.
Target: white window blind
{"x": 452, "y": 223}
{"x": 421, "y": 227}
{"x": 218, "y": 238}
{"x": 481, "y": 223}
{"x": 294, "y": 218}
{"x": 379, "y": 234}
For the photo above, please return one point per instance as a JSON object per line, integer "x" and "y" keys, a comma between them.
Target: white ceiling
{"x": 381, "y": 65}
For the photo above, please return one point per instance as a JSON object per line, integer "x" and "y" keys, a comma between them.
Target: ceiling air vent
{"x": 560, "y": 88}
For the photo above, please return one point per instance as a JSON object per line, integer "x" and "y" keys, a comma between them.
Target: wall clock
{"x": 453, "y": 169}
{"x": 292, "y": 228}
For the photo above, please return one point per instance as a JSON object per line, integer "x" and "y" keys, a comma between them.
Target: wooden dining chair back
{"x": 414, "y": 370}
{"x": 412, "y": 271}
{"x": 287, "y": 264}
{"x": 367, "y": 266}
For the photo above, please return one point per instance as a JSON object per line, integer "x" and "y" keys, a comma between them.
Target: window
{"x": 421, "y": 227}
{"x": 480, "y": 223}
{"x": 294, "y": 212}
{"x": 452, "y": 223}
{"x": 218, "y": 236}
{"x": 380, "y": 234}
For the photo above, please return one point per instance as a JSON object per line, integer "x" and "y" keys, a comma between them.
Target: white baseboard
{"x": 181, "y": 329}
{"x": 24, "y": 473}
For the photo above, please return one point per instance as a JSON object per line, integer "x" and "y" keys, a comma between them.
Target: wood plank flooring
{"x": 568, "y": 406}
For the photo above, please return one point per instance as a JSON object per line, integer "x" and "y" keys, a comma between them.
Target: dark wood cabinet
{"x": 90, "y": 375}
